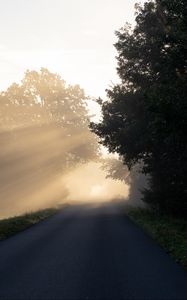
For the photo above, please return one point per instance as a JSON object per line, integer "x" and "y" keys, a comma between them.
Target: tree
{"x": 145, "y": 116}
{"x": 43, "y": 98}
{"x": 44, "y": 132}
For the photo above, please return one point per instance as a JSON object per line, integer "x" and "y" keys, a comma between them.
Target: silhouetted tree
{"x": 145, "y": 118}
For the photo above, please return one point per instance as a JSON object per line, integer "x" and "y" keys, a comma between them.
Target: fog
{"x": 49, "y": 156}
{"x": 91, "y": 185}
{"x": 34, "y": 175}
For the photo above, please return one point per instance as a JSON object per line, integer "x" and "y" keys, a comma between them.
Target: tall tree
{"x": 145, "y": 116}
{"x": 44, "y": 98}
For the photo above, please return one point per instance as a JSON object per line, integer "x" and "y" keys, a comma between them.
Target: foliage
{"x": 44, "y": 100}
{"x": 145, "y": 117}
{"x": 115, "y": 169}
{"x": 170, "y": 233}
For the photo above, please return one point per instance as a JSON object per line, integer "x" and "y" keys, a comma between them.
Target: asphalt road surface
{"x": 88, "y": 253}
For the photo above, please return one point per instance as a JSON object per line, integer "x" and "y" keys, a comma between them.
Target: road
{"x": 88, "y": 253}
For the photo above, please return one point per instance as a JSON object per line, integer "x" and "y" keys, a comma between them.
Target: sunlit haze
{"x": 55, "y": 49}
{"x": 93, "y": 168}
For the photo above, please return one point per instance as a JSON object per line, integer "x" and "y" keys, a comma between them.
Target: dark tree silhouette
{"x": 145, "y": 117}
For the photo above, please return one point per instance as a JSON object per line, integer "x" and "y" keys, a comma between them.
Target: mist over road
{"x": 88, "y": 253}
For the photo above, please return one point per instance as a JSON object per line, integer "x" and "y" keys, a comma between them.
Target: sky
{"x": 73, "y": 38}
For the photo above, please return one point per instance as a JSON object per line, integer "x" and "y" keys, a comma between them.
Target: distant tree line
{"x": 145, "y": 116}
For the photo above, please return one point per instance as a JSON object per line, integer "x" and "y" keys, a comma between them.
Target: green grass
{"x": 169, "y": 232}
{"x": 13, "y": 225}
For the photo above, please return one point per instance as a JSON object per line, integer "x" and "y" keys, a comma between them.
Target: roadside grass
{"x": 11, "y": 226}
{"x": 169, "y": 232}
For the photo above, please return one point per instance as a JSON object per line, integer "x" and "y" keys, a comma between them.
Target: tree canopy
{"x": 44, "y": 99}
{"x": 145, "y": 116}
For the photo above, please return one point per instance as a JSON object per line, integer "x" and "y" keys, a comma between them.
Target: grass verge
{"x": 169, "y": 232}
{"x": 13, "y": 225}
